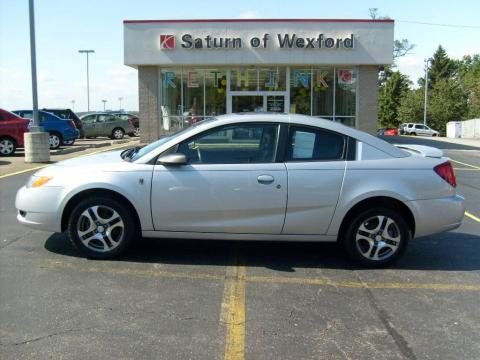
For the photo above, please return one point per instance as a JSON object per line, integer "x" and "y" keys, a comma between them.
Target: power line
{"x": 438, "y": 24}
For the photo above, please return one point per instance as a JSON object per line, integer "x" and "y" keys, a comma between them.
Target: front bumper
{"x": 38, "y": 208}
{"x": 437, "y": 215}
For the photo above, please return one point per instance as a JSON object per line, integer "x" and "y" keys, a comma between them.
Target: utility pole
{"x": 88, "y": 77}
{"x": 104, "y": 102}
{"x": 37, "y": 147}
{"x": 120, "y": 101}
{"x": 427, "y": 61}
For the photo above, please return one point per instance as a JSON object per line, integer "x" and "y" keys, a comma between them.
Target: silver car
{"x": 105, "y": 124}
{"x": 250, "y": 177}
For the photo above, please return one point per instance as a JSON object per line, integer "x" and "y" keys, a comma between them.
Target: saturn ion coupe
{"x": 263, "y": 177}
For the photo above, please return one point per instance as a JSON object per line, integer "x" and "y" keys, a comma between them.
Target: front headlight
{"x": 37, "y": 181}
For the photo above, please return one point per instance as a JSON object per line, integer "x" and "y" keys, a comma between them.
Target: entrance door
{"x": 259, "y": 102}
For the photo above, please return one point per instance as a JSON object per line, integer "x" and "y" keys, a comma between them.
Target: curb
{"x": 68, "y": 151}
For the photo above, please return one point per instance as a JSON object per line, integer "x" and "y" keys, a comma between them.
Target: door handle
{"x": 265, "y": 179}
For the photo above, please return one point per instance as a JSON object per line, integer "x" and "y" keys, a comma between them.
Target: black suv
{"x": 68, "y": 114}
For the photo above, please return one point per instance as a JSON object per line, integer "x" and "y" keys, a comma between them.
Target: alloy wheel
{"x": 378, "y": 238}
{"x": 136, "y": 132}
{"x": 54, "y": 141}
{"x": 118, "y": 134}
{"x": 7, "y": 147}
{"x": 100, "y": 228}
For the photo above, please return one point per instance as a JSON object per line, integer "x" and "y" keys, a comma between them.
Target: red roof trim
{"x": 258, "y": 20}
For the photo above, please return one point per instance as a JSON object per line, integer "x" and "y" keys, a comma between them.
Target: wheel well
{"x": 56, "y": 133}
{"x": 379, "y": 201}
{"x": 96, "y": 192}
{"x": 10, "y": 138}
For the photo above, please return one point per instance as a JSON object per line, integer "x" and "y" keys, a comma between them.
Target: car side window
{"x": 307, "y": 144}
{"x": 236, "y": 144}
{"x": 102, "y": 118}
{"x": 88, "y": 119}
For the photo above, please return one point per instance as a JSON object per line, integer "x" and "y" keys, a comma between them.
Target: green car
{"x": 105, "y": 124}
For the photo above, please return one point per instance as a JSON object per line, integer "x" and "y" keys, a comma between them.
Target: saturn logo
{"x": 167, "y": 42}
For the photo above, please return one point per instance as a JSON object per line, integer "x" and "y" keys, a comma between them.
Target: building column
{"x": 148, "y": 92}
{"x": 367, "y": 98}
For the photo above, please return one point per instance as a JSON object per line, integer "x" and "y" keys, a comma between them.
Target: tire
{"x": 7, "y": 146}
{"x": 55, "y": 140}
{"x": 118, "y": 133}
{"x": 101, "y": 228}
{"x": 68, "y": 142}
{"x": 413, "y": 133}
{"x": 435, "y": 135}
{"x": 364, "y": 241}
{"x": 136, "y": 132}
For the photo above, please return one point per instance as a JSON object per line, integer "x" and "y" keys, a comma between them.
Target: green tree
{"x": 389, "y": 99}
{"x": 447, "y": 102}
{"x": 469, "y": 77}
{"x": 441, "y": 67}
{"x": 411, "y": 106}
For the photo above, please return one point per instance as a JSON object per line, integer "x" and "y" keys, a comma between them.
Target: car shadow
{"x": 444, "y": 252}
{"x": 430, "y": 141}
{"x": 5, "y": 162}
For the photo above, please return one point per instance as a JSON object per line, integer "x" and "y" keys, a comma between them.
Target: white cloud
{"x": 249, "y": 14}
{"x": 411, "y": 65}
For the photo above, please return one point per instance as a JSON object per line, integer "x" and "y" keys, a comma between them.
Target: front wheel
{"x": 101, "y": 228}
{"x": 377, "y": 237}
{"x": 118, "y": 133}
{"x": 136, "y": 132}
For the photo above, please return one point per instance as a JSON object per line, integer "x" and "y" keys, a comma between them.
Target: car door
{"x": 104, "y": 125}
{"x": 230, "y": 184}
{"x": 316, "y": 162}
{"x": 89, "y": 125}
{"x": 420, "y": 129}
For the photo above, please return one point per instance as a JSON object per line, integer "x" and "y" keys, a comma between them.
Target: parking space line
{"x": 462, "y": 163}
{"x": 471, "y": 216}
{"x": 233, "y": 311}
{"x": 79, "y": 155}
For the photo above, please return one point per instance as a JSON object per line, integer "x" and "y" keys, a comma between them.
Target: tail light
{"x": 445, "y": 171}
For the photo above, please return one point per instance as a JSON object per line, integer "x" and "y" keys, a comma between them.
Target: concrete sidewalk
{"x": 460, "y": 141}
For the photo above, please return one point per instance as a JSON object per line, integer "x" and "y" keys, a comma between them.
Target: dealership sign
{"x": 282, "y": 41}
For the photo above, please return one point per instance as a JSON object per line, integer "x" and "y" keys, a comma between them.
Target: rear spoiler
{"x": 422, "y": 150}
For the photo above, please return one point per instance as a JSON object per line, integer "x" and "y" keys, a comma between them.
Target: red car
{"x": 12, "y": 128}
{"x": 388, "y": 131}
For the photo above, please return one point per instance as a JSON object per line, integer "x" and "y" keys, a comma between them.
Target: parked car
{"x": 60, "y": 130}
{"x": 106, "y": 124}
{"x": 205, "y": 182}
{"x": 69, "y": 115}
{"x": 388, "y": 131}
{"x": 133, "y": 119}
{"x": 419, "y": 129}
{"x": 12, "y": 128}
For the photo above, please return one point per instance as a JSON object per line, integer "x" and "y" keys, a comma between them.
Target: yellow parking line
{"x": 471, "y": 216}
{"x": 42, "y": 166}
{"x": 459, "y": 162}
{"x": 233, "y": 312}
{"x": 23, "y": 171}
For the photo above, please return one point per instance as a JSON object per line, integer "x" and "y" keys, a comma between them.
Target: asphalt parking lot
{"x": 172, "y": 299}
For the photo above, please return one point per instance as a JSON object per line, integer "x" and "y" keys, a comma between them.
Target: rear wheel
{"x": 376, "y": 237}
{"x": 55, "y": 140}
{"x": 136, "y": 132}
{"x": 68, "y": 142}
{"x": 413, "y": 133}
{"x": 7, "y": 146}
{"x": 101, "y": 228}
{"x": 118, "y": 133}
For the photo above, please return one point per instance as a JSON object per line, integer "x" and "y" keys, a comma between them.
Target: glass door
{"x": 247, "y": 103}
{"x": 275, "y": 103}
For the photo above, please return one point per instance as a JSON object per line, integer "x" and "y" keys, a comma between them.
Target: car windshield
{"x": 139, "y": 152}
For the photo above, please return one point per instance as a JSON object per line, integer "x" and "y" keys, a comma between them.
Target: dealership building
{"x": 189, "y": 70}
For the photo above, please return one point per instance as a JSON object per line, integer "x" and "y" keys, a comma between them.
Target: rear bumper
{"x": 70, "y": 134}
{"x": 437, "y": 215}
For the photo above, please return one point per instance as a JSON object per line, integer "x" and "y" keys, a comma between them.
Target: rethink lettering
{"x": 284, "y": 41}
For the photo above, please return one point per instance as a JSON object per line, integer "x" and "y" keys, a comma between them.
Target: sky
{"x": 65, "y": 26}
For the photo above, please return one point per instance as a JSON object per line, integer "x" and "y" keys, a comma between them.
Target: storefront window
{"x": 215, "y": 92}
{"x": 192, "y": 95}
{"x": 345, "y": 91}
{"x": 171, "y": 109}
{"x": 322, "y": 92}
{"x": 300, "y": 90}
{"x": 272, "y": 79}
{"x": 244, "y": 79}
{"x": 346, "y": 120}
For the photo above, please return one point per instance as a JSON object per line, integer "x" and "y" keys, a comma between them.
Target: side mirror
{"x": 173, "y": 159}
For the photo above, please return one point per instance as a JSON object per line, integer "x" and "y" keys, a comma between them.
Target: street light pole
{"x": 104, "y": 102}
{"x": 88, "y": 77}
{"x": 73, "y": 105}
{"x": 120, "y": 101}
{"x": 36, "y": 143}
{"x": 427, "y": 61}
